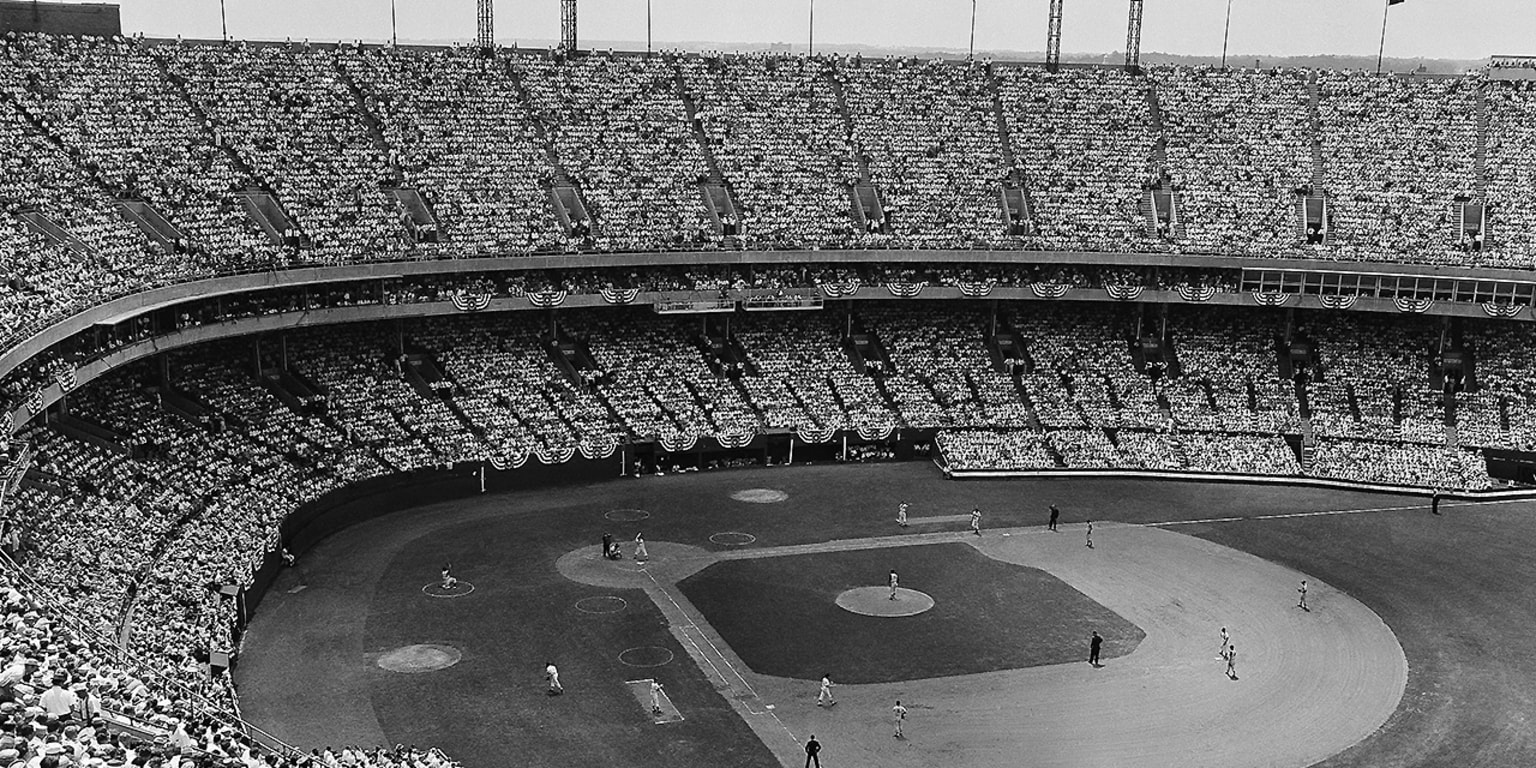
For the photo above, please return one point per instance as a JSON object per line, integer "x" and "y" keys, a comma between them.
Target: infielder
{"x": 825, "y": 697}
{"x": 1302, "y": 590}
{"x": 1090, "y": 534}
{"x": 901, "y": 715}
{"x": 655, "y": 698}
{"x": 1226, "y": 640}
{"x": 1232, "y": 661}
{"x": 553, "y": 676}
{"x": 893, "y": 585}
{"x": 901, "y": 515}
{"x": 976, "y": 520}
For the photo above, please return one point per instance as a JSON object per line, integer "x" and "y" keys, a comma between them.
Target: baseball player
{"x": 553, "y": 676}
{"x": 1226, "y": 640}
{"x": 901, "y": 515}
{"x": 976, "y": 520}
{"x": 641, "y": 555}
{"x": 655, "y": 697}
{"x": 824, "y": 699}
{"x": 1302, "y": 590}
{"x": 893, "y": 585}
{"x": 900, "y": 713}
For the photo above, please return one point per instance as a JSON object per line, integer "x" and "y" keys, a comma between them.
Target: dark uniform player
{"x": 813, "y": 752}
{"x": 1093, "y": 649}
{"x": 1055, "y": 515}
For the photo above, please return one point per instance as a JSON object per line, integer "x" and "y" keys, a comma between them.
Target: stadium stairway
{"x": 1014, "y": 196}
{"x": 1480, "y": 157}
{"x": 719, "y": 196}
{"x": 370, "y": 118}
{"x": 565, "y": 195}
{"x": 150, "y": 222}
{"x": 260, "y": 201}
{"x": 864, "y": 196}
{"x": 1314, "y": 96}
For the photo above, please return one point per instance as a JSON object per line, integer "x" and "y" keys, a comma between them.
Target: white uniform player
{"x": 893, "y": 585}
{"x": 553, "y": 676}
{"x": 901, "y": 515}
{"x": 824, "y": 699}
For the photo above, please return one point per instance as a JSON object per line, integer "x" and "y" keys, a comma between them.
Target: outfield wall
{"x": 1223, "y": 477}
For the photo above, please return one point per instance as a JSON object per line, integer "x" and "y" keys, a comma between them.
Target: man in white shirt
{"x": 58, "y": 700}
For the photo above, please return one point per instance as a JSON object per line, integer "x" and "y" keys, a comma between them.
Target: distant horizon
{"x": 1429, "y": 30}
{"x": 1150, "y": 58}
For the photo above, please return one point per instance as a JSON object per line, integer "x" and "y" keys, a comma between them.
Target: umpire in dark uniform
{"x": 1093, "y": 649}
{"x": 1055, "y": 515}
{"x": 812, "y": 750}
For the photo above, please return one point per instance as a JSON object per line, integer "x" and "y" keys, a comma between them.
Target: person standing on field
{"x": 824, "y": 699}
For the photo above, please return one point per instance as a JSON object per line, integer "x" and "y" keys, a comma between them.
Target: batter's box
{"x": 659, "y": 707}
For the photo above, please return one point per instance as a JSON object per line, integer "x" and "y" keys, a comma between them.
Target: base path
{"x": 1310, "y": 684}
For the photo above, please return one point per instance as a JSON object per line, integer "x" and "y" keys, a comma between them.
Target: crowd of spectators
{"x": 1398, "y": 152}
{"x": 1239, "y": 146}
{"x": 331, "y": 131}
{"x": 929, "y": 133}
{"x": 1426, "y": 466}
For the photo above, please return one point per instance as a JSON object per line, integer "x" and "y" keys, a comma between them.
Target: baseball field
{"x": 761, "y": 581}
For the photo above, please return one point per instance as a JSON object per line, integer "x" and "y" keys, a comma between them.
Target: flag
{"x": 1391, "y": 3}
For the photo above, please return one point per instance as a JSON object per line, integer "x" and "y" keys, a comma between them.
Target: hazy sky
{"x": 1462, "y": 29}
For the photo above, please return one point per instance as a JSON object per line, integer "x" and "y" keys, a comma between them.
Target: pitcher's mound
{"x": 760, "y": 495}
{"x": 420, "y": 658}
{"x": 876, "y": 601}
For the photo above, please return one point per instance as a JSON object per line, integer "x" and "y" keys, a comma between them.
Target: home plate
{"x": 642, "y": 691}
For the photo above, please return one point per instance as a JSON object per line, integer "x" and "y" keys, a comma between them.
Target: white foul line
{"x": 723, "y": 660}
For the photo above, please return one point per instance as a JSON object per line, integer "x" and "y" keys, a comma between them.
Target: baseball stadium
{"x": 467, "y": 404}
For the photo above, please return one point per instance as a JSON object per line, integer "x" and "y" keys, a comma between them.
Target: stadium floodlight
{"x": 1133, "y": 36}
{"x": 1053, "y": 37}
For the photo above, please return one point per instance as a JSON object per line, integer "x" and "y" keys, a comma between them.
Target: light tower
{"x": 486, "y": 25}
{"x": 1053, "y": 37}
{"x": 1133, "y": 37}
{"x": 568, "y": 26}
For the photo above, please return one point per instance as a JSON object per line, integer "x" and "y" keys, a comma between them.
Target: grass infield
{"x": 779, "y": 615}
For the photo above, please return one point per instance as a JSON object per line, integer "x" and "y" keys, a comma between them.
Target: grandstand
{"x": 242, "y": 279}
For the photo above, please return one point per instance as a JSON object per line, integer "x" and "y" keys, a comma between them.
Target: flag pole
{"x": 972, "y": 54}
{"x": 1383, "y": 49}
{"x": 1225, "y": 32}
{"x": 810, "y": 35}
